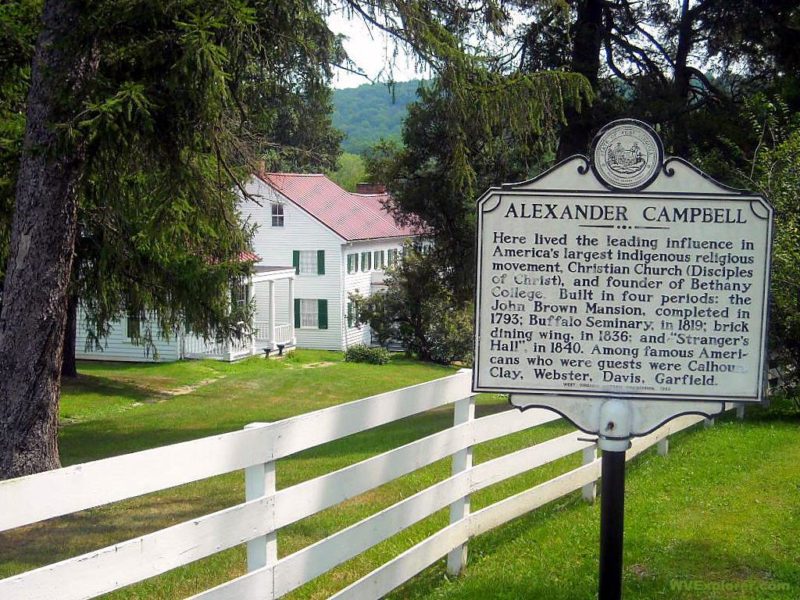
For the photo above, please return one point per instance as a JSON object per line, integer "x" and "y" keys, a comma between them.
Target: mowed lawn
{"x": 718, "y": 518}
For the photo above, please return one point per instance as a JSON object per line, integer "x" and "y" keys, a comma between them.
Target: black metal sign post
{"x": 616, "y": 418}
{"x": 612, "y": 516}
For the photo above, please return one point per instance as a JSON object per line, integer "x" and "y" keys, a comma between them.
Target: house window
{"x": 309, "y": 317}
{"x": 352, "y": 263}
{"x": 366, "y": 261}
{"x": 277, "y": 214}
{"x": 310, "y": 313}
{"x": 392, "y": 257}
{"x": 351, "y": 314}
{"x": 379, "y": 257}
{"x": 239, "y": 295}
{"x": 134, "y": 325}
{"x": 308, "y": 262}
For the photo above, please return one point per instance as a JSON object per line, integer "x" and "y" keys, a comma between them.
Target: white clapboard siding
{"x": 300, "y": 231}
{"x": 116, "y": 566}
{"x": 62, "y": 491}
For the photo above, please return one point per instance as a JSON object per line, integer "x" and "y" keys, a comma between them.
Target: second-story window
{"x": 308, "y": 262}
{"x": 277, "y": 214}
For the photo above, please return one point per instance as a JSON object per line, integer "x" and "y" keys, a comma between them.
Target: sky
{"x": 371, "y": 51}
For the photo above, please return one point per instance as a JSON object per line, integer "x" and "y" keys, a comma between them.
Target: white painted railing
{"x": 196, "y": 347}
{"x": 284, "y": 332}
{"x": 266, "y": 510}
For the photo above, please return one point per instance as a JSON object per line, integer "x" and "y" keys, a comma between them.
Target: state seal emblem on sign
{"x": 627, "y": 155}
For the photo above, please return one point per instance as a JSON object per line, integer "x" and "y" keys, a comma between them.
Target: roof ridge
{"x": 282, "y": 174}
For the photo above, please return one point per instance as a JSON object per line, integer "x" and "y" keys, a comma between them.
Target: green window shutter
{"x": 320, "y": 262}
{"x": 297, "y": 313}
{"x": 322, "y": 314}
{"x": 349, "y": 314}
{"x": 349, "y": 263}
{"x": 296, "y": 261}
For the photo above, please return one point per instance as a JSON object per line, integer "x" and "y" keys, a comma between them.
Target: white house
{"x": 337, "y": 242}
{"x": 257, "y": 336}
{"x": 314, "y": 244}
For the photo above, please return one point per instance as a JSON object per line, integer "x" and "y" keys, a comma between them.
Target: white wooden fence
{"x": 266, "y": 510}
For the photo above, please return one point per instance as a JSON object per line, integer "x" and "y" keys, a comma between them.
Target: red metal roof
{"x": 352, "y": 216}
{"x": 249, "y": 257}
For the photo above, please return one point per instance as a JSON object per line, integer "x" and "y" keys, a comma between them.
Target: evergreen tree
{"x": 141, "y": 122}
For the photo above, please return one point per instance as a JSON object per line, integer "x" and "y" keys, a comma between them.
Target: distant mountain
{"x": 369, "y": 112}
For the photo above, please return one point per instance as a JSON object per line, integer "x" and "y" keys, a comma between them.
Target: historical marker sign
{"x": 623, "y": 276}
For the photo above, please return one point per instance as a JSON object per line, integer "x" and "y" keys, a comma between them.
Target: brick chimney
{"x": 370, "y": 188}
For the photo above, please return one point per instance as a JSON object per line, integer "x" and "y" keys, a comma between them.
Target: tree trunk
{"x": 69, "y": 368}
{"x": 680, "y": 134}
{"x": 41, "y": 253}
{"x": 577, "y": 133}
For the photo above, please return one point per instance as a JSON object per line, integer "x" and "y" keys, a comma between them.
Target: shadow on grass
{"x": 102, "y": 386}
{"x": 64, "y": 537}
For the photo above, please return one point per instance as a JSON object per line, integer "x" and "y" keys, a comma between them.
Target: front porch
{"x": 272, "y": 329}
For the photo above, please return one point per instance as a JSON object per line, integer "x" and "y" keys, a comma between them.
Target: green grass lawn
{"x": 724, "y": 506}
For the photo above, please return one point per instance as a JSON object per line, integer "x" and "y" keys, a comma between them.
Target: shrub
{"x": 367, "y": 354}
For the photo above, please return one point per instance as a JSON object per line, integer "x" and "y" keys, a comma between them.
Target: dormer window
{"x": 277, "y": 214}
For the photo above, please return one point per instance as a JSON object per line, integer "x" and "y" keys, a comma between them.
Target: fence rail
{"x": 265, "y": 511}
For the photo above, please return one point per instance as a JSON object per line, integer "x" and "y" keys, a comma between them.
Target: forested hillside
{"x": 369, "y": 112}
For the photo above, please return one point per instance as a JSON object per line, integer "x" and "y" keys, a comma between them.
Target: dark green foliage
{"x": 765, "y": 156}
{"x": 362, "y": 353}
{"x": 19, "y": 24}
{"x": 371, "y": 112}
{"x": 349, "y": 172}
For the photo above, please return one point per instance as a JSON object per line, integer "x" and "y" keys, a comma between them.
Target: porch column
{"x": 291, "y": 310}
{"x": 272, "y": 344}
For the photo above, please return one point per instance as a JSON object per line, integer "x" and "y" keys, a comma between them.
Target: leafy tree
{"x": 387, "y": 104}
{"x": 768, "y": 161}
{"x": 417, "y": 309}
{"x": 350, "y": 171}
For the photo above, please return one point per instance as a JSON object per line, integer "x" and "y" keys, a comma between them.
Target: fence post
{"x": 663, "y": 446}
{"x": 589, "y": 491}
{"x": 259, "y": 480}
{"x": 740, "y": 411}
{"x": 708, "y": 422}
{"x": 463, "y": 412}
